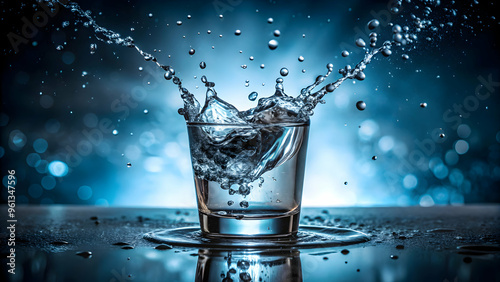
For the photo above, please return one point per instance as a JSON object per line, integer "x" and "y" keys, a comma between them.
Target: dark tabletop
{"x": 444, "y": 243}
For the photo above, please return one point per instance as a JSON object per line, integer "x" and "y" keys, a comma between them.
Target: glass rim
{"x": 249, "y": 125}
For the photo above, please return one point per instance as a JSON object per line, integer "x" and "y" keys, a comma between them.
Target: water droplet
{"x": 361, "y": 105}
{"x": 360, "y": 42}
{"x": 344, "y": 251}
{"x": 221, "y": 16}
{"x": 301, "y": 59}
{"x": 85, "y": 254}
{"x": 251, "y": 58}
{"x": 394, "y": 257}
{"x": 262, "y": 66}
{"x": 273, "y": 44}
{"x": 115, "y": 132}
{"x": 129, "y": 164}
{"x": 244, "y": 66}
{"x": 150, "y": 15}
{"x": 209, "y": 31}
{"x": 203, "y": 65}
{"x": 191, "y": 51}
{"x": 252, "y": 96}
{"x": 140, "y": 68}
{"x": 386, "y": 52}
{"x": 230, "y": 203}
{"x": 59, "y": 47}
{"x": 423, "y": 105}
{"x": 188, "y": 17}
{"x": 179, "y": 22}
{"x": 374, "y": 158}
{"x": 168, "y": 75}
{"x": 244, "y": 204}
{"x": 163, "y": 247}
{"x": 270, "y": 20}
{"x": 277, "y": 33}
{"x": 93, "y": 48}
{"x": 442, "y": 135}
{"x": 345, "y": 183}
{"x": 237, "y": 32}
{"x": 405, "y": 57}
{"x": 284, "y": 71}
{"x": 146, "y": 111}
{"x": 345, "y": 53}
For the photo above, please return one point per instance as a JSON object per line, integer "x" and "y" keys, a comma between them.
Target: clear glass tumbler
{"x": 248, "y": 178}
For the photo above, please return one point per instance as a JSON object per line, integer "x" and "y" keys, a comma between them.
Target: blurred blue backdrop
{"x": 103, "y": 128}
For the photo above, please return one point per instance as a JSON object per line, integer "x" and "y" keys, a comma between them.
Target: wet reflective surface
{"x": 69, "y": 243}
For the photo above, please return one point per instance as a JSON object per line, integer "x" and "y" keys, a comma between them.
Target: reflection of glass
{"x": 248, "y": 178}
{"x": 246, "y": 265}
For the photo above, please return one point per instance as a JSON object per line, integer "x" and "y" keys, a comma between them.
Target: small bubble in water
{"x": 279, "y": 80}
{"x": 273, "y": 44}
{"x": 270, "y": 20}
{"x": 277, "y": 33}
{"x": 179, "y": 22}
{"x": 284, "y": 71}
{"x": 237, "y": 32}
{"x": 188, "y": 17}
{"x": 442, "y": 135}
{"x": 221, "y": 16}
{"x": 140, "y": 68}
{"x": 252, "y": 96}
{"x": 244, "y": 204}
{"x": 361, "y": 105}
{"x": 262, "y": 66}
{"x": 204, "y": 79}
{"x": 345, "y": 53}
{"x": 59, "y": 47}
{"x": 373, "y": 24}
{"x": 405, "y": 57}
{"x": 115, "y": 132}
{"x": 191, "y": 51}
{"x": 203, "y": 65}
{"x": 345, "y": 183}
{"x": 146, "y": 111}
{"x": 374, "y": 158}
{"x": 129, "y": 164}
{"x": 344, "y": 251}
{"x": 301, "y": 59}
{"x": 150, "y": 15}
{"x": 209, "y": 31}
{"x": 303, "y": 71}
{"x": 251, "y": 58}
{"x": 230, "y": 203}
{"x": 360, "y": 42}
{"x": 423, "y": 105}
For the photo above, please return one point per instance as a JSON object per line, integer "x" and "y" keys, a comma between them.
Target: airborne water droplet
{"x": 360, "y": 42}
{"x": 115, "y": 132}
{"x": 179, "y": 22}
{"x": 423, "y": 105}
{"x": 442, "y": 135}
{"x": 270, "y": 20}
{"x": 374, "y": 158}
{"x": 284, "y": 71}
{"x": 361, "y": 105}
{"x": 252, "y": 96}
{"x": 277, "y": 33}
{"x": 244, "y": 204}
{"x": 345, "y": 53}
{"x": 150, "y": 15}
{"x": 146, "y": 111}
{"x": 273, "y": 44}
{"x": 93, "y": 47}
{"x": 129, "y": 164}
{"x": 405, "y": 57}
{"x": 237, "y": 32}
{"x": 373, "y": 24}
{"x": 191, "y": 51}
{"x": 59, "y": 47}
{"x": 203, "y": 65}
{"x": 301, "y": 59}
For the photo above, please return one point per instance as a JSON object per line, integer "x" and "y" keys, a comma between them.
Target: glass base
{"x": 254, "y": 227}
{"x": 306, "y": 238}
